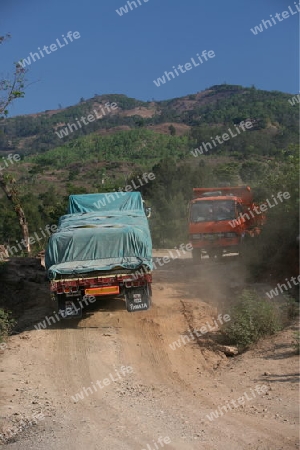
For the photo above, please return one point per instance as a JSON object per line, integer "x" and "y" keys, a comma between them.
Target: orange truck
{"x": 220, "y": 219}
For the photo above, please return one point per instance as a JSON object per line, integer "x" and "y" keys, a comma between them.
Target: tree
{"x": 172, "y": 130}
{"x": 7, "y": 183}
{"x": 11, "y": 89}
{"x": 140, "y": 122}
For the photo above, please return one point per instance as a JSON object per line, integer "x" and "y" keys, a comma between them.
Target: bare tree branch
{"x": 13, "y": 87}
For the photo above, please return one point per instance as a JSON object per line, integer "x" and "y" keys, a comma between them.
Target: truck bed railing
{"x": 243, "y": 192}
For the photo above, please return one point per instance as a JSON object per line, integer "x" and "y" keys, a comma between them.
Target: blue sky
{"x": 124, "y": 54}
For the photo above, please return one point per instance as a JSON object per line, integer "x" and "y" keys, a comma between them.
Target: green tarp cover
{"x": 103, "y": 240}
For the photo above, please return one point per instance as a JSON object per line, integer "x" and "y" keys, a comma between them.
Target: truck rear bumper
{"x": 221, "y": 244}
{"x": 100, "y": 285}
{"x": 73, "y": 294}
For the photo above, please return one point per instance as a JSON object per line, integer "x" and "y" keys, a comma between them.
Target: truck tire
{"x": 63, "y": 303}
{"x": 245, "y": 243}
{"x": 216, "y": 254}
{"x": 197, "y": 255}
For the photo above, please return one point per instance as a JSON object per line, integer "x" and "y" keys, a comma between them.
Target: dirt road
{"x": 160, "y": 392}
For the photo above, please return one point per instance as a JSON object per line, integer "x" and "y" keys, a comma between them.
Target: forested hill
{"x": 219, "y": 106}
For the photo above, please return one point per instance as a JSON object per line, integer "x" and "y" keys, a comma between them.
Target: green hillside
{"x": 219, "y": 105}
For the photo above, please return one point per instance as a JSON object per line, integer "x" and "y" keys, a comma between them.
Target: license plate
{"x": 105, "y": 290}
{"x": 137, "y": 298}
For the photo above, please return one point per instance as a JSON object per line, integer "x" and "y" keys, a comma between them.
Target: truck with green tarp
{"x": 102, "y": 247}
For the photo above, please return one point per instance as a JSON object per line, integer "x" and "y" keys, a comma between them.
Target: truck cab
{"x": 219, "y": 220}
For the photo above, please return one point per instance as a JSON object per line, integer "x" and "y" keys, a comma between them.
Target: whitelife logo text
{"x": 274, "y": 292}
{"x": 259, "y": 209}
{"x": 260, "y": 390}
{"x": 85, "y": 120}
{"x": 207, "y": 145}
{"x": 113, "y": 196}
{"x": 9, "y": 160}
{"x": 267, "y": 23}
{"x": 203, "y": 330}
{"x": 187, "y": 66}
{"x": 53, "y": 47}
{"x": 86, "y": 391}
{"x": 124, "y": 9}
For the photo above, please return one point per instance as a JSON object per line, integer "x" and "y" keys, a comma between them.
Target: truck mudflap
{"x": 138, "y": 298}
{"x": 70, "y": 308}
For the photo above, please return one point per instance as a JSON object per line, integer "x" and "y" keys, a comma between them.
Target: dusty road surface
{"x": 112, "y": 380}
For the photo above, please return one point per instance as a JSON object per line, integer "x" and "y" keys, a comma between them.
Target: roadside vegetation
{"x": 6, "y": 324}
{"x": 254, "y": 317}
{"x": 6, "y": 321}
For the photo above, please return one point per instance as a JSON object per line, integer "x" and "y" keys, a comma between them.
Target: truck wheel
{"x": 69, "y": 308}
{"x": 244, "y": 245}
{"x": 216, "y": 255}
{"x": 60, "y": 302}
{"x": 197, "y": 255}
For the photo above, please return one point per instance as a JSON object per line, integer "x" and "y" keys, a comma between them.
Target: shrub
{"x": 252, "y": 317}
{"x": 6, "y": 323}
{"x": 290, "y": 309}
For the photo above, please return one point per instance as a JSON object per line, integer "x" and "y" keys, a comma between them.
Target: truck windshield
{"x": 210, "y": 211}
